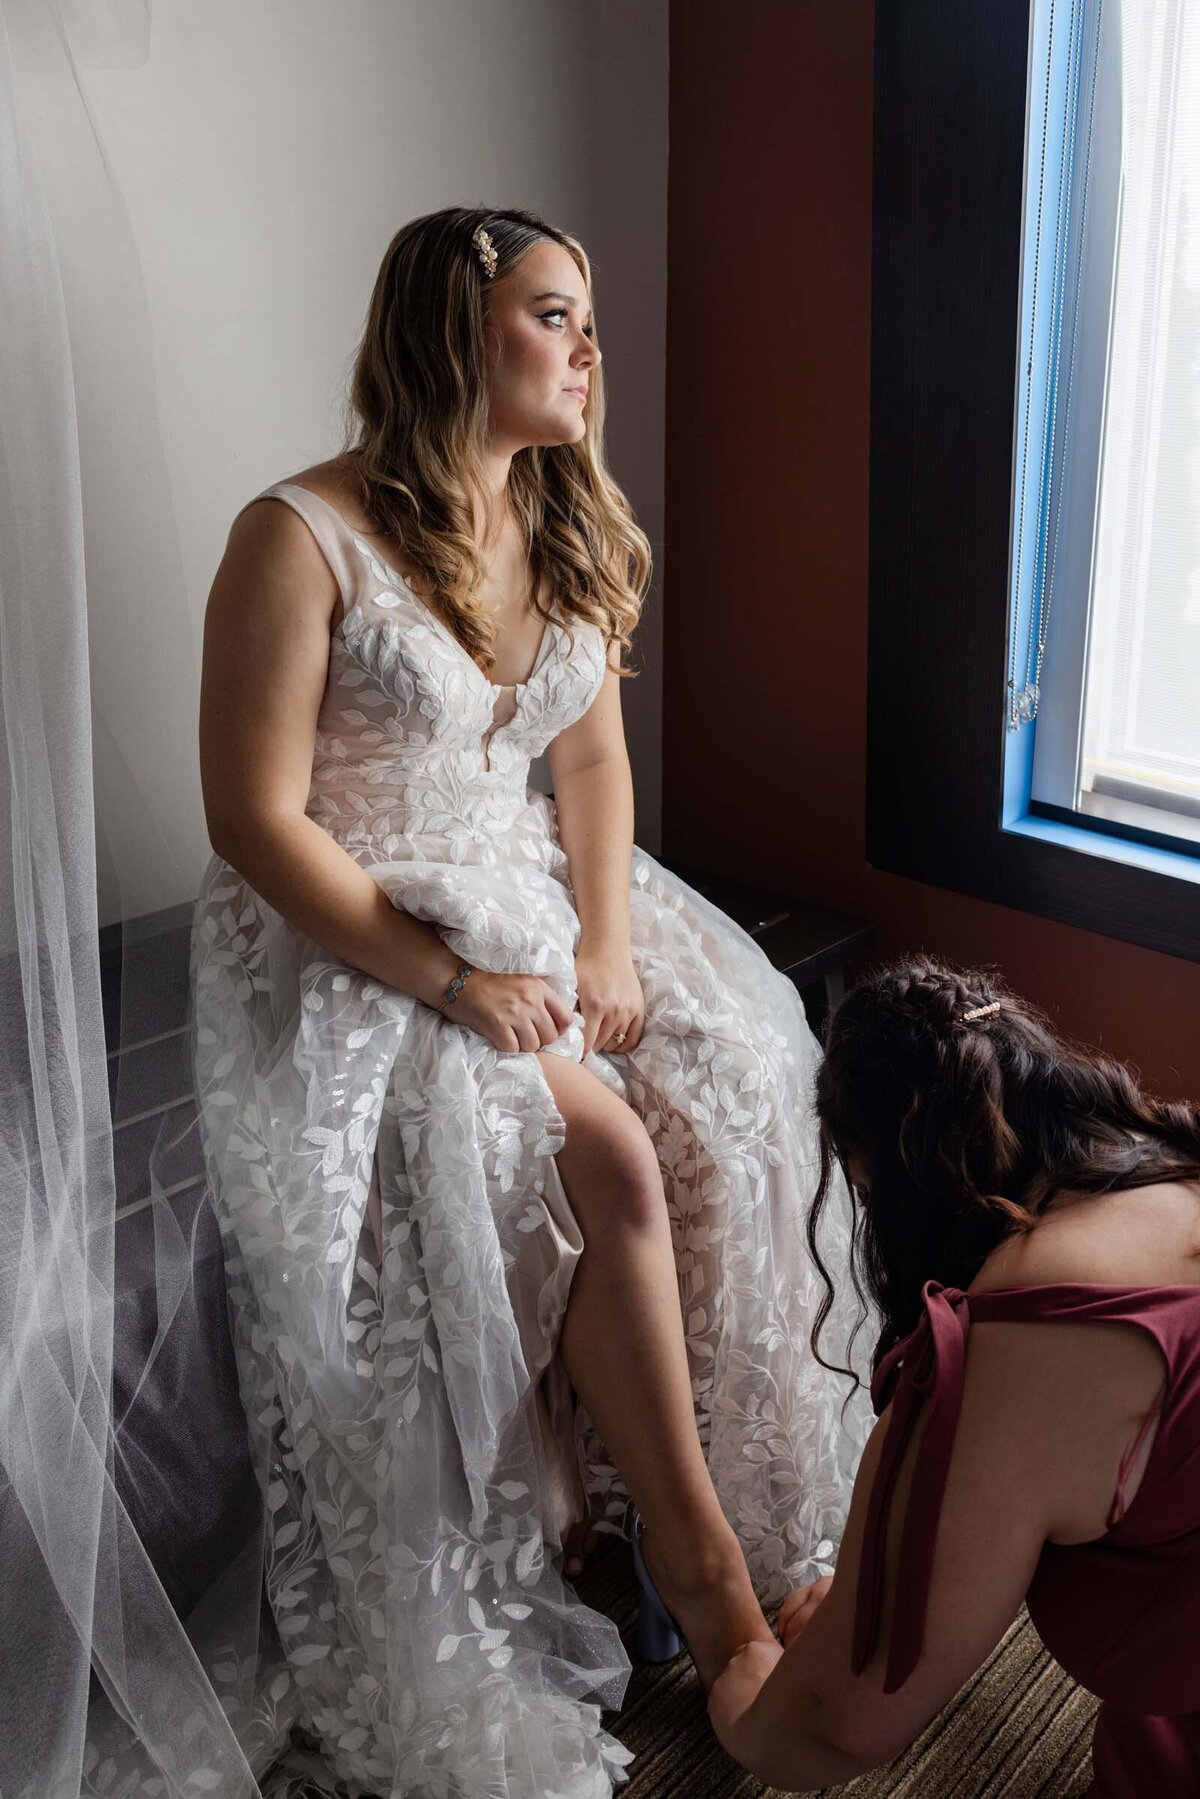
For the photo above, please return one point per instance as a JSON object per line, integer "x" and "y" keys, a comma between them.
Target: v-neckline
{"x": 452, "y": 640}
{"x": 427, "y": 611}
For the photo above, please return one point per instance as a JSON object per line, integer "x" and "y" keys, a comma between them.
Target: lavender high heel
{"x": 659, "y": 1638}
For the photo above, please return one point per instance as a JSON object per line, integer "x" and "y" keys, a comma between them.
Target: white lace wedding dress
{"x": 400, "y": 1247}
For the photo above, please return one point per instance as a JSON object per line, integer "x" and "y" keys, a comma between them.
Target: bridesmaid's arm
{"x": 799, "y": 1719}
{"x": 593, "y": 795}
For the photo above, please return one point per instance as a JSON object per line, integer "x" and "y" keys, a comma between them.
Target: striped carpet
{"x": 1020, "y": 1728}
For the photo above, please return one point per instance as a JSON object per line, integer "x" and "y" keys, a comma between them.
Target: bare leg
{"x": 622, "y": 1343}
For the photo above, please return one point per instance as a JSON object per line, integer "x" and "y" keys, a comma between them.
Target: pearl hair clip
{"x": 981, "y": 1012}
{"x": 487, "y": 250}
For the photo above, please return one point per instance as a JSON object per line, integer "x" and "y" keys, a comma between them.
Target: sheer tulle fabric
{"x": 102, "y": 1688}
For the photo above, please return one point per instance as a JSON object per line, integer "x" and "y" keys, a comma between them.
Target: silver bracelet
{"x": 460, "y": 980}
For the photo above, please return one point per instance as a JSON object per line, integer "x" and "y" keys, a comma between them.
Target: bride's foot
{"x": 709, "y": 1595}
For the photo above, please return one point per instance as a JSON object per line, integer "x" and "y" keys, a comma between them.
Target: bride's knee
{"x": 630, "y": 1192}
{"x": 608, "y": 1162}
{"x": 612, "y": 1173}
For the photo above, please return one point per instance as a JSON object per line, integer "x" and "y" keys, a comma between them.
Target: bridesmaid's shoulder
{"x": 1134, "y": 1237}
{"x": 1049, "y": 1370}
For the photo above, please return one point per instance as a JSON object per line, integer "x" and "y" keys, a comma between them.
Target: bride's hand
{"x": 513, "y": 1011}
{"x": 610, "y": 997}
{"x": 798, "y": 1608}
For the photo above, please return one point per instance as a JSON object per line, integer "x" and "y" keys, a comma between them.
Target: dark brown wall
{"x": 769, "y": 207}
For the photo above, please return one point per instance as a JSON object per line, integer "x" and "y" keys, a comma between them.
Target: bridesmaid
{"x": 1003, "y": 1177}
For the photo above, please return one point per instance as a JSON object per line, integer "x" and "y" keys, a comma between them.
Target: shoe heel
{"x": 658, "y": 1636}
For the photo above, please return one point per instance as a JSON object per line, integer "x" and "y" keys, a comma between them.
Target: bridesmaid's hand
{"x": 734, "y": 1691}
{"x": 610, "y": 997}
{"x": 798, "y": 1608}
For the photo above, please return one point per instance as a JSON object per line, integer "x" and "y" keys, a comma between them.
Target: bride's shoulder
{"x": 271, "y": 543}
{"x": 267, "y": 530}
{"x": 336, "y": 483}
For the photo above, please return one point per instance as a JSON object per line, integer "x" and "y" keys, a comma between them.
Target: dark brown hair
{"x": 967, "y": 1127}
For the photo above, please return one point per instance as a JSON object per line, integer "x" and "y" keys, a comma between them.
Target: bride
{"x": 508, "y": 1129}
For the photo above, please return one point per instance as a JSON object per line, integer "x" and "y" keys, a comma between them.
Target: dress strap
{"x": 327, "y": 525}
{"x": 925, "y": 1370}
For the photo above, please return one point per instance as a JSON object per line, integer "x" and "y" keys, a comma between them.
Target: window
{"x": 1104, "y": 649}
{"x": 969, "y": 443}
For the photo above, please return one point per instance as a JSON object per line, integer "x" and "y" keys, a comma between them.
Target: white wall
{"x": 259, "y": 159}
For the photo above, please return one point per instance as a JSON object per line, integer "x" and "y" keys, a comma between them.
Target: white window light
{"x": 1106, "y": 506}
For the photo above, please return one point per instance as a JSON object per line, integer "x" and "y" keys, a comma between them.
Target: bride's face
{"x": 540, "y": 352}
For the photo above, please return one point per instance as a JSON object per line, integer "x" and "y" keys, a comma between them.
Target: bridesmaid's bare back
{"x": 1096, "y": 1386}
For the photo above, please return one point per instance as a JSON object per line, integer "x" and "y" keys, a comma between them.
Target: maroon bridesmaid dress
{"x": 1121, "y": 1613}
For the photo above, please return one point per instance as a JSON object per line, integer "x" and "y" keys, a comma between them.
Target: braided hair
{"x": 968, "y": 1126}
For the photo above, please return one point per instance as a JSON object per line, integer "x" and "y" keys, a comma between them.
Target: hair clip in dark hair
{"x": 988, "y": 1011}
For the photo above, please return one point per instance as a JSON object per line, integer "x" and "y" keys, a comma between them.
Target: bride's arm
{"x": 266, "y": 659}
{"x": 593, "y": 795}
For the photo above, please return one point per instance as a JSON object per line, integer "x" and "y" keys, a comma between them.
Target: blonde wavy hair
{"x": 417, "y": 425}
